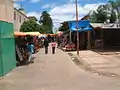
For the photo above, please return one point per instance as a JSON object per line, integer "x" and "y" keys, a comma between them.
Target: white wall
{"x": 17, "y": 23}
{"x": 7, "y": 14}
{"x": 6, "y": 10}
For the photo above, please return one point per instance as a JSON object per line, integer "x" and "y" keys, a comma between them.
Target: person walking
{"x": 30, "y": 48}
{"x": 46, "y": 44}
{"x": 53, "y": 44}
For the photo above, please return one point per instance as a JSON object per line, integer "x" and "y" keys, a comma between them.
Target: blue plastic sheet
{"x": 83, "y": 25}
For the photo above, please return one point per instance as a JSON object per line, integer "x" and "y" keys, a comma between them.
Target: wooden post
{"x": 88, "y": 43}
{"x": 77, "y": 27}
{"x": 102, "y": 43}
{"x": 70, "y": 37}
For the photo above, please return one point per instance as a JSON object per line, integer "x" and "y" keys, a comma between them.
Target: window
{"x": 20, "y": 18}
{"x": 14, "y": 15}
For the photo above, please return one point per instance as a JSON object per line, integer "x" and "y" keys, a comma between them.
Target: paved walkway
{"x": 55, "y": 72}
{"x": 106, "y": 63}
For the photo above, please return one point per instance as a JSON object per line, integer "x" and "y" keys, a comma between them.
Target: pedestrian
{"x": 30, "y": 48}
{"x": 53, "y": 44}
{"x": 46, "y": 44}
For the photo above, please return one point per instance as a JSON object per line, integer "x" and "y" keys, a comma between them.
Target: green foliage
{"x": 113, "y": 17}
{"x": 33, "y": 18}
{"x": 64, "y": 27}
{"x": 112, "y": 8}
{"x": 99, "y": 16}
{"x": 46, "y": 22}
{"x": 93, "y": 17}
{"x": 102, "y": 12}
{"x": 115, "y": 6}
{"x": 30, "y": 26}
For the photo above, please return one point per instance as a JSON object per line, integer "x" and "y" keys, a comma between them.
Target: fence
{"x": 7, "y": 48}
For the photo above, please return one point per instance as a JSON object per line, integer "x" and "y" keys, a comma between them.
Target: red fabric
{"x": 69, "y": 46}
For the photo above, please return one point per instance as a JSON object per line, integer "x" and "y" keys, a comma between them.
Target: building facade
{"x": 6, "y": 10}
{"x": 10, "y": 14}
{"x": 19, "y": 18}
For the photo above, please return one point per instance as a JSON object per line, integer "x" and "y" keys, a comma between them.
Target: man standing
{"x": 46, "y": 44}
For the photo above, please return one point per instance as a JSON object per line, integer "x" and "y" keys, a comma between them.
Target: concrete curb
{"x": 86, "y": 65}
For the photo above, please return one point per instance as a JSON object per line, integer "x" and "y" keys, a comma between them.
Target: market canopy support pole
{"x": 89, "y": 41}
{"x": 70, "y": 38}
{"x": 77, "y": 27}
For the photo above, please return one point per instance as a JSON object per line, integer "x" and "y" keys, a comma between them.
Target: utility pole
{"x": 77, "y": 26}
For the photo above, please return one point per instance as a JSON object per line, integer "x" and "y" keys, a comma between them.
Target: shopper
{"x": 30, "y": 48}
{"x": 53, "y": 44}
{"x": 46, "y": 44}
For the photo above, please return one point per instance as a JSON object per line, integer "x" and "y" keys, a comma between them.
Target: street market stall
{"x": 22, "y": 38}
{"x": 70, "y": 38}
{"x": 35, "y": 36}
{"x": 19, "y": 34}
{"x": 32, "y": 33}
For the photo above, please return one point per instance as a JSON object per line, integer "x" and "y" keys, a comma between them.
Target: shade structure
{"x": 59, "y": 33}
{"x": 83, "y": 25}
{"x": 32, "y": 33}
{"x": 51, "y": 35}
{"x": 20, "y": 34}
{"x": 42, "y": 36}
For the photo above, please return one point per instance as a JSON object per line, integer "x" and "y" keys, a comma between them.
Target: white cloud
{"x": 17, "y": 6}
{"x": 34, "y": 1}
{"x": 66, "y": 12}
{"x": 36, "y": 14}
{"x": 49, "y": 6}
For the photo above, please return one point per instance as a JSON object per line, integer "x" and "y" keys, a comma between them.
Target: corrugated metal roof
{"x": 97, "y": 24}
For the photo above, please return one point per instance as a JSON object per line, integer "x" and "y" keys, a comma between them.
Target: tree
{"x": 93, "y": 16}
{"x": 46, "y": 22}
{"x": 110, "y": 11}
{"x": 30, "y": 26}
{"x": 115, "y": 7}
{"x": 64, "y": 27}
{"x": 100, "y": 15}
{"x": 113, "y": 17}
{"x": 33, "y": 18}
{"x": 118, "y": 8}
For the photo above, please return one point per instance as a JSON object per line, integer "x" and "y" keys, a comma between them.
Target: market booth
{"x": 69, "y": 38}
{"x": 26, "y": 33}
{"x": 21, "y": 40}
{"x": 107, "y": 38}
{"x": 32, "y": 33}
{"x": 35, "y": 36}
{"x": 84, "y": 31}
{"x": 20, "y": 43}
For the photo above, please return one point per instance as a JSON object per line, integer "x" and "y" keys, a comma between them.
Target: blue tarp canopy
{"x": 83, "y": 25}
